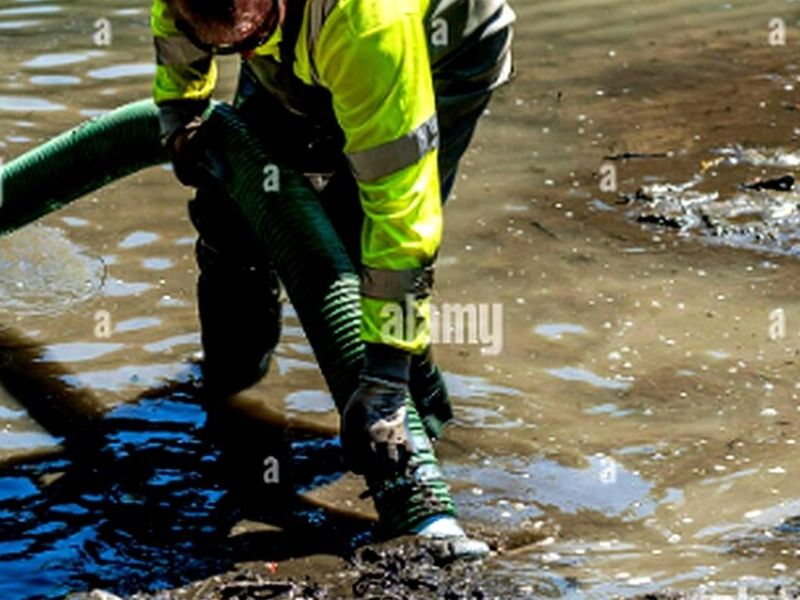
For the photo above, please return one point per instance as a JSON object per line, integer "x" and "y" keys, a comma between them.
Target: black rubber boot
{"x": 240, "y": 320}
{"x": 238, "y": 298}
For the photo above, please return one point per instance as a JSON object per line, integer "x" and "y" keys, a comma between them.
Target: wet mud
{"x": 402, "y": 570}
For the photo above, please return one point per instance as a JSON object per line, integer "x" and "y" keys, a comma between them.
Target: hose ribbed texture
{"x": 78, "y": 162}
{"x": 306, "y": 251}
{"x": 302, "y": 244}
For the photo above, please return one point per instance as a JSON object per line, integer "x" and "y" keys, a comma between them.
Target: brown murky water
{"x": 638, "y": 428}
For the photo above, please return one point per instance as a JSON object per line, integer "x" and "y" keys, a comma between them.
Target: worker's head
{"x": 228, "y": 26}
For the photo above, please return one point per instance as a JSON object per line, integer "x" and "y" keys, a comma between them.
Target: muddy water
{"x": 637, "y": 430}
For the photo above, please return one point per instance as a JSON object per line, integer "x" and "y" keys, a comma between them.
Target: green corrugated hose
{"x": 311, "y": 261}
{"x": 78, "y": 162}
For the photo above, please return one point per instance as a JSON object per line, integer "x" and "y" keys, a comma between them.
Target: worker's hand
{"x": 194, "y": 160}
{"x": 375, "y": 434}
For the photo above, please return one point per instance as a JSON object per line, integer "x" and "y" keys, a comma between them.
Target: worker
{"x": 375, "y": 101}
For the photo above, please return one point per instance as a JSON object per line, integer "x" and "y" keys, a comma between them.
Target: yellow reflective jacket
{"x": 373, "y": 57}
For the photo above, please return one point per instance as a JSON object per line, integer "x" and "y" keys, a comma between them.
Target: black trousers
{"x": 237, "y": 287}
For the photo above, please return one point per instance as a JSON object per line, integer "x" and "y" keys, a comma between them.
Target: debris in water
{"x": 736, "y": 155}
{"x": 779, "y": 184}
{"x": 639, "y": 155}
{"x": 414, "y": 570}
{"x": 761, "y": 213}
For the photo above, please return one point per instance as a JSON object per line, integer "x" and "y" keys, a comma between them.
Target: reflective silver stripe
{"x": 177, "y": 50}
{"x": 403, "y": 152}
{"x": 383, "y": 284}
{"x": 318, "y": 13}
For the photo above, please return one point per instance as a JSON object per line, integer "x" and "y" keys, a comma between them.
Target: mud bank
{"x": 401, "y": 570}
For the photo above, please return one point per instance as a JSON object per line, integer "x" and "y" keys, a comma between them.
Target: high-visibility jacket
{"x": 374, "y": 59}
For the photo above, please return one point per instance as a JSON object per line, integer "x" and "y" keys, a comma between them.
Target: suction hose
{"x": 313, "y": 265}
{"x": 78, "y": 162}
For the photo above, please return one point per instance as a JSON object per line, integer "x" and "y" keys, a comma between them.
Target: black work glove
{"x": 375, "y": 434}
{"x": 189, "y": 145}
{"x": 194, "y": 159}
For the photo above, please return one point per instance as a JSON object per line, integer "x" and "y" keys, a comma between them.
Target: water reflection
{"x": 121, "y": 71}
{"x": 59, "y": 59}
{"x": 588, "y": 377}
{"x": 156, "y": 483}
{"x": 28, "y": 104}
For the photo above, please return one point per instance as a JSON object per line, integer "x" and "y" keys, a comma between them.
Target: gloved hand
{"x": 375, "y": 434}
{"x": 193, "y": 157}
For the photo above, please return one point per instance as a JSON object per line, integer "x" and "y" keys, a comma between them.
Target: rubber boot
{"x": 240, "y": 321}
{"x": 238, "y": 298}
{"x": 419, "y": 502}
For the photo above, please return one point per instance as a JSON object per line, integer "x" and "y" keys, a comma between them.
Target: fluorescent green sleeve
{"x": 183, "y": 71}
{"x": 372, "y": 56}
